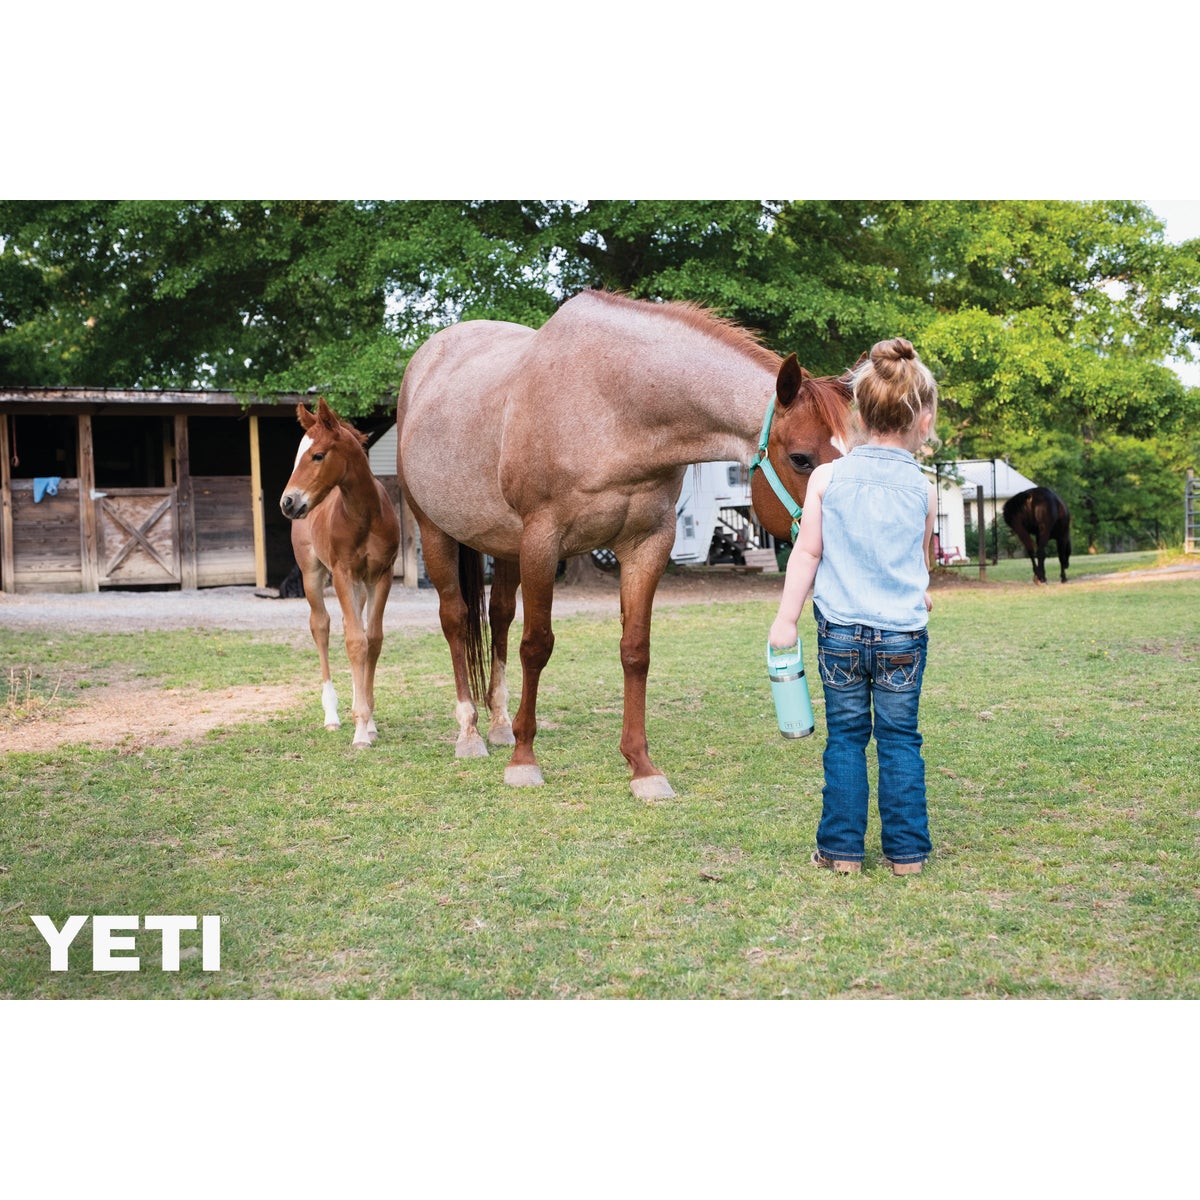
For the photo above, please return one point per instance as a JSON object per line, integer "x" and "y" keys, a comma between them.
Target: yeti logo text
{"x": 104, "y": 942}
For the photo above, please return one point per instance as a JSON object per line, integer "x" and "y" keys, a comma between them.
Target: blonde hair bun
{"x": 892, "y": 386}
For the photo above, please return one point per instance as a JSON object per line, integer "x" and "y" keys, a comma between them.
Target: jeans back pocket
{"x": 839, "y": 668}
{"x": 898, "y": 670}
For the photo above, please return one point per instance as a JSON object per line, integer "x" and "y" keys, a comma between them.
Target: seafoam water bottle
{"x": 789, "y": 688}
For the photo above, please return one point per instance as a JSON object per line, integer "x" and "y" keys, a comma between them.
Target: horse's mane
{"x": 831, "y": 396}
{"x": 702, "y": 319}
{"x": 358, "y": 435}
{"x": 1009, "y": 511}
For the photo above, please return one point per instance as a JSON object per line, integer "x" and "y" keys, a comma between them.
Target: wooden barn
{"x": 132, "y": 489}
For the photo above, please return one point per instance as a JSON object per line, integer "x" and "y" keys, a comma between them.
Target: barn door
{"x": 137, "y": 535}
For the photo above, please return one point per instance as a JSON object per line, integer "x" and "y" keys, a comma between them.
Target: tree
{"x": 1036, "y": 316}
{"x": 207, "y": 294}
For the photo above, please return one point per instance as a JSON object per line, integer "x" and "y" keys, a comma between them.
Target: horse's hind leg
{"x": 441, "y": 564}
{"x": 1030, "y": 549}
{"x": 502, "y": 608}
{"x": 1039, "y": 569}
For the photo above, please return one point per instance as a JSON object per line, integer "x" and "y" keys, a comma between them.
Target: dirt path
{"x": 125, "y": 714}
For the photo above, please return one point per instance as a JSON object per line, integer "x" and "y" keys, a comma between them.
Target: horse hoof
{"x": 523, "y": 775}
{"x": 651, "y": 787}
{"x": 360, "y": 745}
{"x": 502, "y": 735}
{"x": 334, "y": 728}
{"x": 470, "y": 747}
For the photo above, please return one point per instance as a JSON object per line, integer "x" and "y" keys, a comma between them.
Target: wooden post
{"x": 1189, "y": 514}
{"x": 89, "y": 547}
{"x": 982, "y": 535}
{"x": 256, "y": 494}
{"x": 7, "y": 563}
{"x": 188, "y": 571}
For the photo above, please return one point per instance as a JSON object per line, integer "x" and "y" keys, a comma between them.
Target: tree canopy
{"x": 1047, "y": 323}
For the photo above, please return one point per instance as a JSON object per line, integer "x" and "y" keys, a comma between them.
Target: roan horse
{"x": 344, "y": 528}
{"x": 535, "y": 446}
{"x": 1038, "y": 516}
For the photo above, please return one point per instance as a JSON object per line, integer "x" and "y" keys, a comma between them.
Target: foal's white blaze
{"x": 839, "y": 444}
{"x": 305, "y": 444}
{"x": 330, "y": 704}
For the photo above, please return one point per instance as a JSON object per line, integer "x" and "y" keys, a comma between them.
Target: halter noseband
{"x": 763, "y": 463}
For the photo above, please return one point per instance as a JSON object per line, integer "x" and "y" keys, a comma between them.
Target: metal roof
{"x": 978, "y": 474}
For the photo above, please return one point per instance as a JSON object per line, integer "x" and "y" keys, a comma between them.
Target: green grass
{"x": 1060, "y": 743}
{"x": 1020, "y": 570}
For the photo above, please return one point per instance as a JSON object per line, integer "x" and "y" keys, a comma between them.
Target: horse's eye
{"x": 801, "y": 462}
{"x": 317, "y": 457}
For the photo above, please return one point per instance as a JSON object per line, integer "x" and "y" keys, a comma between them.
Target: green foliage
{"x": 1037, "y": 316}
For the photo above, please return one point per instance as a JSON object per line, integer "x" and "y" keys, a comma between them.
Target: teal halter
{"x": 761, "y": 461}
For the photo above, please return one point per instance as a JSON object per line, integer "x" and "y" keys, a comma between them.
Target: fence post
{"x": 1189, "y": 514}
{"x": 982, "y": 535}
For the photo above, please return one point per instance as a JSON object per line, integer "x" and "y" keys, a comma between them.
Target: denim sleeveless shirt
{"x": 873, "y": 569}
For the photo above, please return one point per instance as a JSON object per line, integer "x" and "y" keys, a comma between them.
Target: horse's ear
{"x": 787, "y": 383}
{"x": 307, "y": 420}
{"x": 847, "y": 379}
{"x": 326, "y": 415}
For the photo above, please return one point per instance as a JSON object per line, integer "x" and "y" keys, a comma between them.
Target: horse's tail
{"x": 471, "y": 582}
{"x": 1062, "y": 515}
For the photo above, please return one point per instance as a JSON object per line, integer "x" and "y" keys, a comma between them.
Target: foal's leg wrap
{"x": 329, "y": 702}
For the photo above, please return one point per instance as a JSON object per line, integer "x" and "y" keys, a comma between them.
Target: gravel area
{"x": 407, "y": 608}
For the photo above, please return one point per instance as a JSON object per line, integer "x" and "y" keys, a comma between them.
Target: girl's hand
{"x": 783, "y": 633}
{"x": 928, "y": 602}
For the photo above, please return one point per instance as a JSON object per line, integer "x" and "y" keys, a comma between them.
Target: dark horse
{"x": 1038, "y": 516}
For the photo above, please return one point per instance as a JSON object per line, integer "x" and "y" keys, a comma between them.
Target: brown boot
{"x": 905, "y": 868}
{"x": 843, "y": 866}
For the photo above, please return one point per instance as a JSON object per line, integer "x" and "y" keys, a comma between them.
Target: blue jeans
{"x": 864, "y": 669}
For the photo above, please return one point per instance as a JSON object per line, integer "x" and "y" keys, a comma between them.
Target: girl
{"x": 863, "y": 548}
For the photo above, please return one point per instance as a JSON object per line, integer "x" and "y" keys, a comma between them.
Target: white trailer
{"x": 714, "y": 518}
